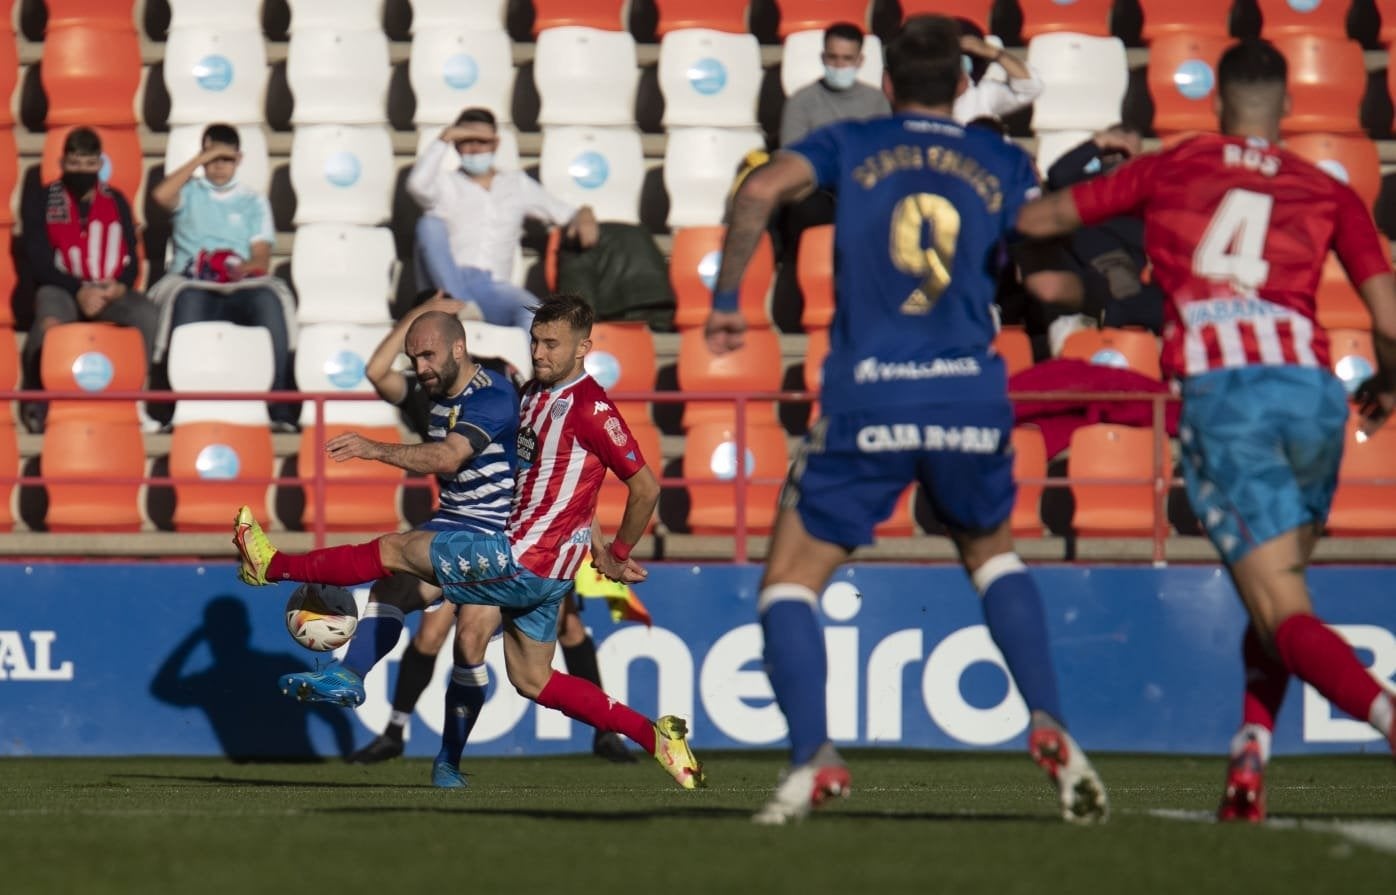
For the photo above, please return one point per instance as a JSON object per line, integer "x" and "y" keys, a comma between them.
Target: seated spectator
{"x": 989, "y": 96}
{"x": 839, "y": 95}
{"x": 473, "y": 218}
{"x": 223, "y": 235}
{"x": 80, "y": 245}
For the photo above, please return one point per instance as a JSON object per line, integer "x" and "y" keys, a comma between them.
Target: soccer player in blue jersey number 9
{"x": 912, "y": 391}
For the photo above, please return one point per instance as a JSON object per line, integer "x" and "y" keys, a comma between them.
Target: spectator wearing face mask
{"x": 473, "y": 218}
{"x": 992, "y": 97}
{"x": 839, "y": 95}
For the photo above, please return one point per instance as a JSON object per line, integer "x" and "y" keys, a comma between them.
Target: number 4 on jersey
{"x": 1233, "y": 246}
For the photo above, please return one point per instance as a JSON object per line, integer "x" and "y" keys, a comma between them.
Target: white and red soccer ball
{"x": 321, "y": 617}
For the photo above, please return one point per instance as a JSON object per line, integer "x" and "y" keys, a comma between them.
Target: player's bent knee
{"x": 994, "y": 568}
{"x": 777, "y": 593}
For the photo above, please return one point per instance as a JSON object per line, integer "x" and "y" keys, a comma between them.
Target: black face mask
{"x": 79, "y": 183}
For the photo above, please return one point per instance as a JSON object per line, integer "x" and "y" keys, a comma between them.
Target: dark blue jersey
{"x": 924, "y": 209}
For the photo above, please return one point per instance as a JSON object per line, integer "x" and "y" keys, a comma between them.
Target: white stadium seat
{"x": 330, "y": 357}
{"x": 342, "y": 174}
{"x": 476, "y": 14}
{"x": 338, "y": 76}
{"x": 699, "y": 165}
{"x": 800, "y": 64}
{"x": 215, "y": 74}
{"x": 1084, "y": 81}
{"x": 585, "y": 76}
{"x": 509, "y": 343}
{"x": 220, "y": 357}
{"x": 234, "y": 15}
{"x": 453, "y": 68}
{"x": 359, "y": 15}
{"x": 709, "y": 78}
{"x": 506, "y": 156}
{"x": 603, "y": 167}
{"x": 1052, "y": 145}
{"x": 185, "y": 142}
{"x": 343, "y": 273}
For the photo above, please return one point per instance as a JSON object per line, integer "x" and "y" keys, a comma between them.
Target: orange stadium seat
{"x": 1327, "y": 78}
{"x": 1324, "y": 18}
{"x": 814, "y": 271}
{"x": 622, "y": 360}
{"x": 610, "y": 504}
{"x": 1131, "y": 349}
{"x": 94, "y": 13}
{"x": 9, "y": 367}
{"x": 1362, "y": 510}
{"x": 1013, "y": 344}
{"x": 602, "y": 14}
{"x": 88, "y": 358}
{"x": 806, "y": 15}
{"x": 86, "y": 448}
{"x": 1183, "y": 79}
{"x": 91, "y": 74}
{"x": 693, "y": 266}
{"x": 1081, "y": 17}
{"x": 9, "y": 466}
{"x": 1352, "y": 159}
{"x": 9, "y": 178}
{"x": 1029, "y": 462}
{"x": 977, "y": 11}
{"x": 1387, "y": 9}
{"x": 710, "y": 452}
{"x": 9, "y": 72}
{"x": 1193, "y": 17}
{"x": 1350, "y": 352}
{"x": 755, "y": 367}
{"x": 816, "y": 349}
{"x": 1108, "y": 451}
{"x": 123, "y": 163}
{"x": 351, "y": 504}
{"x": 717, "y": 15}
{"x": 902, "y": 522}
{"x": 220, "y": 454}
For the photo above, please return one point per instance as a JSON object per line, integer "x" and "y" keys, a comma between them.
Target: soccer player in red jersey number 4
{"x": 1238, "y": 230}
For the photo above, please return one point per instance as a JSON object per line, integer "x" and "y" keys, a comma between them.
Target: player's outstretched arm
{"x": 444, "y": 457}
{"x": 1051, "y": 215}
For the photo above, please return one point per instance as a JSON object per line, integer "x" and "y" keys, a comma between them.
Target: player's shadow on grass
{"x": 238, "y": 694}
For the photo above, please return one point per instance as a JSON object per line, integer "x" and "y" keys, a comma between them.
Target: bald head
{"x": 435, "y": 343}
{"x": 1251, "y": 88}
{"x": 445, "y": 326}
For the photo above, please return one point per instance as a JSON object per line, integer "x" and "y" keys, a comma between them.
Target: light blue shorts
{"x": 1261, "y": 448}
{"x": 477, "y": 568}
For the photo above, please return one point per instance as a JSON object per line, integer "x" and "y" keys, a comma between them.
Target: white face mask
{"x": 476, "y": 163}
{"x": 840, "y": 78}
{"x": 224, "y": 187}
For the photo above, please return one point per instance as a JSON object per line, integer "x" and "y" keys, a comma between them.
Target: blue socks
{"x": 374, "y": 638}
{"x": 1018, "y": 625}
{"x": 797, "y": 665}
{"x": 465, "y": 696}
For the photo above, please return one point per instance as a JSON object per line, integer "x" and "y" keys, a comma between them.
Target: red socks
{"x": 346, "y": 566}
{"x": 1266, "y": 681}
{"x": 586, "y": 702}
{"x": 1317, "y": 655}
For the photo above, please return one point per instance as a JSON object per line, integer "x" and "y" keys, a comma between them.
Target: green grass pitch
{"x": 916, "y": 822}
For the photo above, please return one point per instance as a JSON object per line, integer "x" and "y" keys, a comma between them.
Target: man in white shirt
{"x": 991, "y": 97}
{"x": 474, "y": 217}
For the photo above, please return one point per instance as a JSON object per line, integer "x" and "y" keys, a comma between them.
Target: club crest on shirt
{"x": 560, "y": 409}
{"x": 527, "y": 445}
{"x": 616, "y": 431}
{"x": 452, "y": 417}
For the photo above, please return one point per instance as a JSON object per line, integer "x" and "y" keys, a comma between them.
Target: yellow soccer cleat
{"x": 254, "y": 548}
{"x": 672, "y": 752}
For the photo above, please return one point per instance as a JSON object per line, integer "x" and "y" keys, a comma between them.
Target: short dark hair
{"x": 477, "y": 115}
{"x": 923, "y": 61}
{"x": 844, "y": 31}
{"x": 568, "y": 307}
{"x": 82, "y": 141}
{"x": 1252, "y": 62}
{"x": 222, "y": 133}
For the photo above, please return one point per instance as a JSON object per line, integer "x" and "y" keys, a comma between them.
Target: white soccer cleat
{"x": 1082, "y": 795}
{"x": 805, "y": 787}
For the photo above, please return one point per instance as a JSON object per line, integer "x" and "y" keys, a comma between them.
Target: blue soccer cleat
{"x": 445, "y": 775}
{"x": 333, "y": 683}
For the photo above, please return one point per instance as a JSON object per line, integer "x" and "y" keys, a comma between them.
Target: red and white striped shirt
{"x": 569, "y": 435}
{"x": 1238, "y": 232}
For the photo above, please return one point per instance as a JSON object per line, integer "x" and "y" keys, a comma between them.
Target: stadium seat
{"x": 814, "y": 271}
{"x": 699, "y": 166}
{"x": 86, "y": 448}
{"x": 710, "y": 452}
{"x": 1085, "y": 17}
{"x": 1327, "y": 79}
{"x": 1323, "y": 18}
{"x": 1014, "y": 346}
{"x": 9, "y": 368}
{"x": 9, "y": 178}
{"x": 1351, "y": 356}
{"x": 9, "y": 74}
{"x": 451, "y": 69}
{"x": 603, "y": 167}
{"x": 186, "y": 141}
{"x": 330, "y": 357}
{"x": 976, "y": 11}
{"x": 800, "y": 64}
{"x": 338, "y": 76}
{"x": 1387, "y": 10}
{"x": 1052, "y": 145}
{"x": 213, "y": 356}
{"x": 482, "y": 15}
{"x": 1029, "y": 462}
{"x": 215, "y": 74}
{"x": 342, "y": 174}
{"x": 1084, "y": 81}
{"x": 229, "y": 15}
{"x": 220, "y": 454}
{"x": 585, "y": 76}
{"x": 87, "y": 359}
{"x": 90, "y": 75}
{"x": 693, "y": 265}
{"x": 808, "y": 15}
{"x": 343, "y": 273}
{"x": 359, "y": 15}
{"x": 360, "y": 495}
{"x": 610, "y": 503}
{"x": 507, "y": 343}
{"x": 123, "y": 165}
{"x": 1104, "y": 451}
{"x": 1352, "y": 159}
{"x": 709, "y": 78}
{"x": 1202, "y": 18}
{"x": 9, "y": 466}
{"x": 603, "y": 14}
{"x": 716, "y": 15}
{"x": 1183, "y": 80}
{"x": 506, "y": 155}
{"x": 1126, "y": 349}
{"x": 755, "y": 367}
{"x": 91, "y": 13}
{"x": 622, "y": 360}
{"x": 902, "y": 522}
{"x": 1360, "y": 509}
